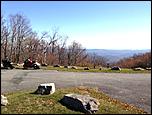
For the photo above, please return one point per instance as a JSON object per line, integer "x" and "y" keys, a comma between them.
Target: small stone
{"x": 56, "y": 65}
{"x": 86, "y": 68}
{"x": 138, "y": 69}
{"x": 116, "y": 68}
{"x": 148, "y": 68}
{"x": 74, "y": 67}
{"x": 66, "y": 66}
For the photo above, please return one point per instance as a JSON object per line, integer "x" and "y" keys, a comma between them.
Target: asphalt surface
{"x": 131, "y": 88}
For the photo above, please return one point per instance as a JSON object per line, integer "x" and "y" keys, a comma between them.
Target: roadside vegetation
{"x": 140, "y": 60}
{"x": 81, "y": 69}
{"x": 24, "y": 102}
{"x": 105, "y": 70}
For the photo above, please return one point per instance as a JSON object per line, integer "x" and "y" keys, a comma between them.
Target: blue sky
{"x": 94, "y": 24}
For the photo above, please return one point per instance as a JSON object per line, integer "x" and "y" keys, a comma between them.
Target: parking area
{"x": 131, "y": 88}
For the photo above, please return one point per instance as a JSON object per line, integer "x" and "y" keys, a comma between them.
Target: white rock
{"x": 138, "y": 69}
{"x": 4, "y": 100}
{"x": 2, "y": 65}
{"x": 46, "y": 88}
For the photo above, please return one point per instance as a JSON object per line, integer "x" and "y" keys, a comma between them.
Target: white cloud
{"x": 116, "y": 40}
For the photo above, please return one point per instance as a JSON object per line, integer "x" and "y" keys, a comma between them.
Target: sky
{"x": 94, "y": 24}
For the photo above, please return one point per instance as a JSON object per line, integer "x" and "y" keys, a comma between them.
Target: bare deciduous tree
{"x": 18, "y": 41}
{"x": 20, "y": 30}
{"x": 4, "y": 37}
{"x": 75, "y": 53}
{"x": 97, "y": 60}
{"x": 62, "y": 51}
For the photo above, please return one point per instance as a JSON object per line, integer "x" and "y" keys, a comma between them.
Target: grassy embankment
{"x": 81, "y": 69}
{"x": 106, "y": 70}
{"x": 27, "y": 103}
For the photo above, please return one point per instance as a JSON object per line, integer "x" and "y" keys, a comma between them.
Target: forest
{"x": 19, "y": 41}
{"x": 140, "y": 60}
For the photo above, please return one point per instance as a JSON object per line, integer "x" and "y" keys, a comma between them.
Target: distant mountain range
{"x": 116, "y": 55}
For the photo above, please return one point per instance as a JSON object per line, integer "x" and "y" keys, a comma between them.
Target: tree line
{"x": 138, "y": 60}
{"x": 19, "y": 41}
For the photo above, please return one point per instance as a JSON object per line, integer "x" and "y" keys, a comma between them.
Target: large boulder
{"x": 83, "y": 103}
{"x": 4, "y": 100}
{"x": 45, "y": 89}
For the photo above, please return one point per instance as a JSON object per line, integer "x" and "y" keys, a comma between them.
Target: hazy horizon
{"x": 116, "y": 49}
{"x": 115, "y": 25}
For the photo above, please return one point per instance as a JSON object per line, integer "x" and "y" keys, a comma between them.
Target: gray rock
{"x": 56, "y": 65}
{"x": 45, "y": 89}
{"x": 66, "y": 66}
{"x": 116, "y": 68}
{"x": 148, "y": 68}
{"x": 74, "y": 67}
{"x": 83, "y": 103}
{"x": 4, "y": 100}
{"x": 86, "y": 68}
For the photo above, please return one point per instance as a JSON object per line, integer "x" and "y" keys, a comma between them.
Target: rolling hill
{"x": 116, "y": 55}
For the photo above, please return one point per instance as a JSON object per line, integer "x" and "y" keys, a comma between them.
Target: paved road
{"x": 131, "y": 88}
